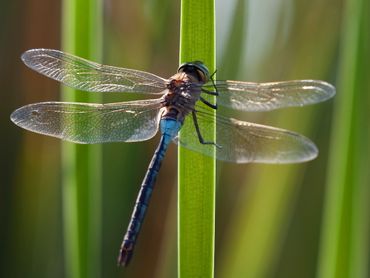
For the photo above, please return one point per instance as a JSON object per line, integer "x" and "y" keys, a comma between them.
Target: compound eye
{"x": 201, "y": 75}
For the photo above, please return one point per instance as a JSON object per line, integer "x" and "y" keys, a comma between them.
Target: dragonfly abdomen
{"x": 169, "y": 128}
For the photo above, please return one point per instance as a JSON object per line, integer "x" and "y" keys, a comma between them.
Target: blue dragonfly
{"x": 177, "y": 97}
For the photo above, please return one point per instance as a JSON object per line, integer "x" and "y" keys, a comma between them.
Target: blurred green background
{"x": 271, "y": 220}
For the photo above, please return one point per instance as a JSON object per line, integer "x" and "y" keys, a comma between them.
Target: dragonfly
{"x": 178, "y": 101}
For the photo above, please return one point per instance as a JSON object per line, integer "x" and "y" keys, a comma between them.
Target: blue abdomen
{"x": 170, "y": 127}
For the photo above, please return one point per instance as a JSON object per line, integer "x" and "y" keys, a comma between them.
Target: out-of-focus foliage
{"x": 268, "y": 218}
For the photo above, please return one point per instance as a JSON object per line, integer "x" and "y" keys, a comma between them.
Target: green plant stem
{"x": 82, "y": 25}
{"x": 196, "y": 172}
{"x": 344, "y": 241}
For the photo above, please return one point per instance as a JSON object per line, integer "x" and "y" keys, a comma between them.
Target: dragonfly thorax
{"x": 183, "y": 91}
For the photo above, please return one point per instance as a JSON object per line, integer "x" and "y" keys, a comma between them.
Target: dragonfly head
{"x": 197, "y": 69}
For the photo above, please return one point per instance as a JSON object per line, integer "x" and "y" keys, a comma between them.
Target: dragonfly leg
{"x": 212, "y": 93}
{"x": 200, "y": 137}
{"x": 208, "y": 92}
{"x": 213, "y": 81}
{"x": 211, "y": 77}
{"x": 213, "y": 106}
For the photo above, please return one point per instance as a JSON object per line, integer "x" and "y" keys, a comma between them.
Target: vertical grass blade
{"x": 344, "y": 240}
{"x": 82, "y": 25}
{"x": 196, "y": 172}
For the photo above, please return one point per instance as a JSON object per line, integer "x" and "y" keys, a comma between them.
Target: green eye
{"x": 201, "y": 69}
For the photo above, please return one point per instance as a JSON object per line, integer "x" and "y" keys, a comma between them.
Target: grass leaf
{"x": 196, "y": 172}
{"x": 82, "y": 25}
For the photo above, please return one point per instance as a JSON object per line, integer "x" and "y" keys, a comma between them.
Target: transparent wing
{"x": 243, "y": 142}
{"x": 248, "y": 96}
{"x": 89, "y": 76}
{"x": 89, "y": 123}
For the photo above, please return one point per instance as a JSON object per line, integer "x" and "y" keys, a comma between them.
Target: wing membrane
{"x": 248, "y": 96}
{"x": 243, "y": 142}
{"x": 91, "y": 123}
{"x": 89, "y": 76}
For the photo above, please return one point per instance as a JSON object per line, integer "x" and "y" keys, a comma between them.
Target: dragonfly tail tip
{"x": 125, "y": 255}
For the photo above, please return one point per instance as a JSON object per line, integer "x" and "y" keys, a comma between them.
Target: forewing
{"x": 244, "y": 142}
{"x": 89, "y": 76}
{"x": 248, "y": 96}
{"x": 91, "y": 123}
